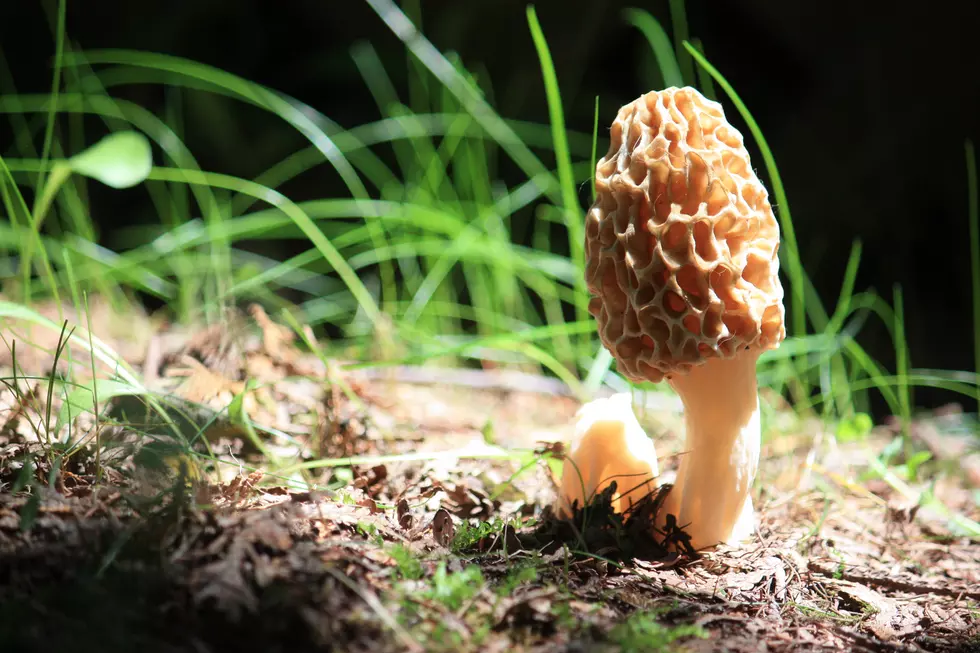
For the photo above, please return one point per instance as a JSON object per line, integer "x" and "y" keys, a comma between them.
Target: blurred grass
{"x": 974, "y": 231}
{"x": 422, "y": 261}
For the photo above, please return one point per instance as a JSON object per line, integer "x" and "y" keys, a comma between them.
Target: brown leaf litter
{"x": 446, "y": 553}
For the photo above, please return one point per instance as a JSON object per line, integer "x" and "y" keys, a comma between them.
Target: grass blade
{"x": 902, "y": 369}
{"x": 469, "y": 97}
{"x": 595, "y": 139}
{"x": 251, "y": 92}
{"x": 660, "y": 43}
{"x": 678, "y": 17}
{"x": 59, "y": 40}
{"x": 705, "y": 83}
{"x": 569, "y": 197}
{"x": 974, "y": 218}
{"x": 791, "y": 252}
{"x": 847, "y": 289}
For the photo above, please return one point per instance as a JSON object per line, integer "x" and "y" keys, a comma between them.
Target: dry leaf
{"x": 443, "y": 528}
{"x": 405, "y": 519}
{"x": 889, "y": 619}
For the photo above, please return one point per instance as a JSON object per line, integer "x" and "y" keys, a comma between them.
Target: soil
{"x": 436, "y": 538}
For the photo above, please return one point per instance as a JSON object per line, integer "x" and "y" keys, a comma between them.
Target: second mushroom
{"x": 681, "y": 249}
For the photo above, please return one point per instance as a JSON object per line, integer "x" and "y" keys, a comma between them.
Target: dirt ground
{"x": 437, "y": 539}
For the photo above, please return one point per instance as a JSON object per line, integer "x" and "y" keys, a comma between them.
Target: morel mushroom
{"x": 681, "y": 248}
{"x": 609, "y": 445}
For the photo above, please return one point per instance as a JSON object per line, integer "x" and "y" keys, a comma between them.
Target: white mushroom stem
{"x": 721, "y": 453}
{"x": 609, "y": 445}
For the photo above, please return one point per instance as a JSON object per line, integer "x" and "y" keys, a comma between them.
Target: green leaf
{"x": 915, "y": 461}
{"x": 120, "y": 160}
{"x": 28, "y": 514}
{"x": 854, "y": 428}
{"x": 238, "y": 416}
{"x": 26, "y": 475}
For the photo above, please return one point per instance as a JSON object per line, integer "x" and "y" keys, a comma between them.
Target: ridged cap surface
{"x": 681, "y": 242}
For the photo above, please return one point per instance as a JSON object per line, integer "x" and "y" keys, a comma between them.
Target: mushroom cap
{"x": 681, "y": 242}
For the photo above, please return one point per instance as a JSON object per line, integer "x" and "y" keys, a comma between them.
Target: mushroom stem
{"x": 710, "y": 497}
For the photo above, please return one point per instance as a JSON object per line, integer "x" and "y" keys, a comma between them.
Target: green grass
{"x": 407, "y": 564}
{"x": 454, "y": 589}
{"x": 642, "y": 631}
{"x": 421, "y": 259}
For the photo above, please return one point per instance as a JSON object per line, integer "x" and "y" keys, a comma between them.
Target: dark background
{"x": 866, "y": 109}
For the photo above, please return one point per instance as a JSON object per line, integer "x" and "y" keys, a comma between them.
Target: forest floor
{"x": 439, "y": 539}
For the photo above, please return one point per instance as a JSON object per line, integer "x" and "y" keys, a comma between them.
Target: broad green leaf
{"x": 120, "y": 160}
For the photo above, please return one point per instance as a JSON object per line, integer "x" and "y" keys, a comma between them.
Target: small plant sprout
{"x": 642, "y": 631}
{"x": 681, "y": 249}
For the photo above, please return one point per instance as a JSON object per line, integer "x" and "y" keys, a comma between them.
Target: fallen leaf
{"x": 443, "y": 528}
{"x": 889, "y": 619}
{"x": 405, "y": 519}
{"x": 533, "y": 610}
{"x": 370, "y": 504}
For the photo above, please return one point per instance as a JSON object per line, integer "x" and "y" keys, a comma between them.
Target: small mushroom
{"x": 681, "y": 260}
{"x": 609, "y": 445}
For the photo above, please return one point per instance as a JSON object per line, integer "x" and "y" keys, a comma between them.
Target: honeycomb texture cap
{"x": 681, "y": 242}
